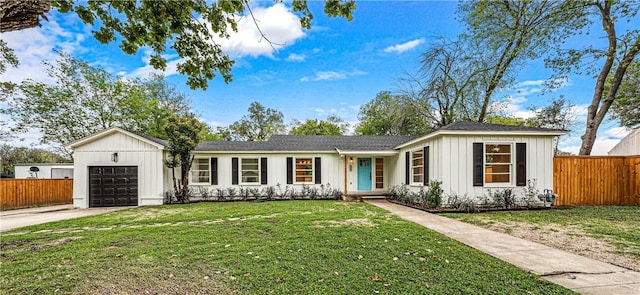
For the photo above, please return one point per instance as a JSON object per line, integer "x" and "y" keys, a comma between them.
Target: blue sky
{"x": 334, "y": 68}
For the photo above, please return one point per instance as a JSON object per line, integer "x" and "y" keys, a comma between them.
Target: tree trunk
{"x": 602, "y": 100}
{"x": 22, "y": 14}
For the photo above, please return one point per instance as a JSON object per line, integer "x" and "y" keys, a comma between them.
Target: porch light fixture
{"x": 114, "y": 157}
{"x": 351, "y": 160}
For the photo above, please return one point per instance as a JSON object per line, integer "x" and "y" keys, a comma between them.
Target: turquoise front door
{"x": 364, "y": 174}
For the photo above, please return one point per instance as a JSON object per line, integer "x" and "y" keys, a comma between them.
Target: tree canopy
{"x": 334, "y": 125}
{"x": 86, "y": 99}
{"x": 626, "y": 106}
{"x": 389, "y": 114}
{"x": 258, "y": 125}
{"x": 183, "y": 133}
{"x": 189, "y": 27}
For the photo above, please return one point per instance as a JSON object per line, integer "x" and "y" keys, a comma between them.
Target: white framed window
{"x": 250, "y": 171}
{"x": 498, "y": 163}
{"x": 303, "y": 170}
{"x": 200, "y": 170}
{"x": 417, "y": 164}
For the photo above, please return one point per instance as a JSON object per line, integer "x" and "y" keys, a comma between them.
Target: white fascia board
{"x": 482, "y": 133}
{"x": 109, "y": 131}
{"x": 263, "y": 152}
{"x": 371, "y": 153}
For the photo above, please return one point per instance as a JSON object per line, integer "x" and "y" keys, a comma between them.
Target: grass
{"x": 287, "y": 247}
{"x": 617, "y": 225}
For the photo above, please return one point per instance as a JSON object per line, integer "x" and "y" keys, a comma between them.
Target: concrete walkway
{"x": 578, "y": 273}
{"x": 12, "y": 219}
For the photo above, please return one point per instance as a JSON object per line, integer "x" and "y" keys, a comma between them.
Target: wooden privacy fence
{"x": 596, "y": 180}
{"x": 18, "y": 193}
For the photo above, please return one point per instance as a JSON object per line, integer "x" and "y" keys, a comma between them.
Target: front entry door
{"x": 364, "y": 174}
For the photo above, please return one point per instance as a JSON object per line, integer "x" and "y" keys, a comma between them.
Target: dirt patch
{"x": 348, "y": 222}
{"x": 568, "y": 239}
{"x": 53, "y": 243}
{"x": 166, "y": 284}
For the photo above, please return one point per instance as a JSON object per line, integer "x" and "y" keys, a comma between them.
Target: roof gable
{"x": 156, "y": 142}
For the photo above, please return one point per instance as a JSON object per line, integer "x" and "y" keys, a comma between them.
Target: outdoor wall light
{"x": 114, "y": 157}
{"x": 351, "y": 160}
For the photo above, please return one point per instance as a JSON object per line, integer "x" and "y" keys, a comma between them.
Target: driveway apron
{"x": 13, "y": 219}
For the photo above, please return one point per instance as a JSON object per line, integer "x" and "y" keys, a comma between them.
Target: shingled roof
{"x": 305, "y": 143}
{"x": 309, "y": 143}
{"x": 475, "y": 126}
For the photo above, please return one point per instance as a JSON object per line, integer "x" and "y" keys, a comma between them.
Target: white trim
{"x": 208, "y": 169}
{"x": 313, "y": 170}
{"x": 240, "y": 182}
{"x": 263, "y": 152}
{"x": 411, "y": 167}
{"x": 368, "y": 153}
{"x": 483, "y": 133}
{"x": 511, "y": 164}
{"x": 107, "y": 132}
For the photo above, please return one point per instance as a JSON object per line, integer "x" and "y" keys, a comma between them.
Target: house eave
{"x": 106, "y": 132}
{"x": 482, "y": 133}
{"x": 368, "y": 153}
{"x": 263, "y": 152}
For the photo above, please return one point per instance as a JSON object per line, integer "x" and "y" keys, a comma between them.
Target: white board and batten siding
{"x": 131, "y": 152}
{"x": 451, "y": 161}
{"x": 331, "y": 169}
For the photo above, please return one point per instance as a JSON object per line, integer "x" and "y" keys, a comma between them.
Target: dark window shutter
{"x": 478, "y": 173}
{"x": 289, "y": 170}
{"x": 425, "y": 165}
{"x": 213, "y": 170}
{"x": 407, "y": 162}
{"x": 263, "y": 170}
{"x": 318, "y": 171}
{"x": 234, "y": 170}
{"x": 521, "y": 164}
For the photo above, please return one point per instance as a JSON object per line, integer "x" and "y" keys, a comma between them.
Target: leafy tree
{"x": 505, "y": 120}
{"x": 334, "y": 125}
{"x": 389, "y": 114}
{"x": 503, "y": 35}
{"x": 86, "y": 99}
{"x": 183, "y": 134}
{"x": 189, "y": 27}
{"x": 11, "y": 155}
{"x": 258, "y": 125}
{"x": 608, "y": 64}
{"x": 558, "y": 114}
{"x": 626, "y": 106}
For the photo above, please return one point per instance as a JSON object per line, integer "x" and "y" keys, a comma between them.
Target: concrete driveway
{"x": 13, "y": 219}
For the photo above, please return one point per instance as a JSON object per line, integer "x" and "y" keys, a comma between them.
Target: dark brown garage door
{"x": 113, "y": 186}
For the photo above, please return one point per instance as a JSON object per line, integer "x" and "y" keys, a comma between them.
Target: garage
{"x": 113, "y": 186}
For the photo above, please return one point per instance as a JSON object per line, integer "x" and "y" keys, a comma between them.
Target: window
{"x": 200, "y": 170}
{"x": 379, "y": 173}
{"x": 417, "y": 162}
{"x": 250, "y": 171}
{"x": 304, "y": 170}
{"x": 497, "y": 163}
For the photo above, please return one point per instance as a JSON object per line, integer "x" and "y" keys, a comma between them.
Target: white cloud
{"x": 35, "y": 45}
{"x": 400, "y": 48}
{"x": 296, "y": 57}
{"x": 277, "y": 23}
{"x": 332, "y": 75}
{"x": 600, "y": 147}
{"x": 261, "y": 78}
{"x": 145, "y": 71}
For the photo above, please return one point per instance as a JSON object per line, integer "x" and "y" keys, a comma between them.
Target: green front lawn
{"x": 617, "y": 225}
{"x": 286, "y": 247}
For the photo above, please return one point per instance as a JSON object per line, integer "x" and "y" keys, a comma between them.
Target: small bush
{"x": 434, "y": 194}
{"x": 463, "y": 203}
{"x": 269, "y": 192}
{"x": 221, "y": 193}
{"x": 530, "y": 193}
{"x": 204, "y": 192}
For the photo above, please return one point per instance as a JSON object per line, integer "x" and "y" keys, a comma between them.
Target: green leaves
{"x": 187, "y": 26}
{"x": 258, "y": 125}
{"x": 389, "y": 114}
{"x": 85, "y": 99}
